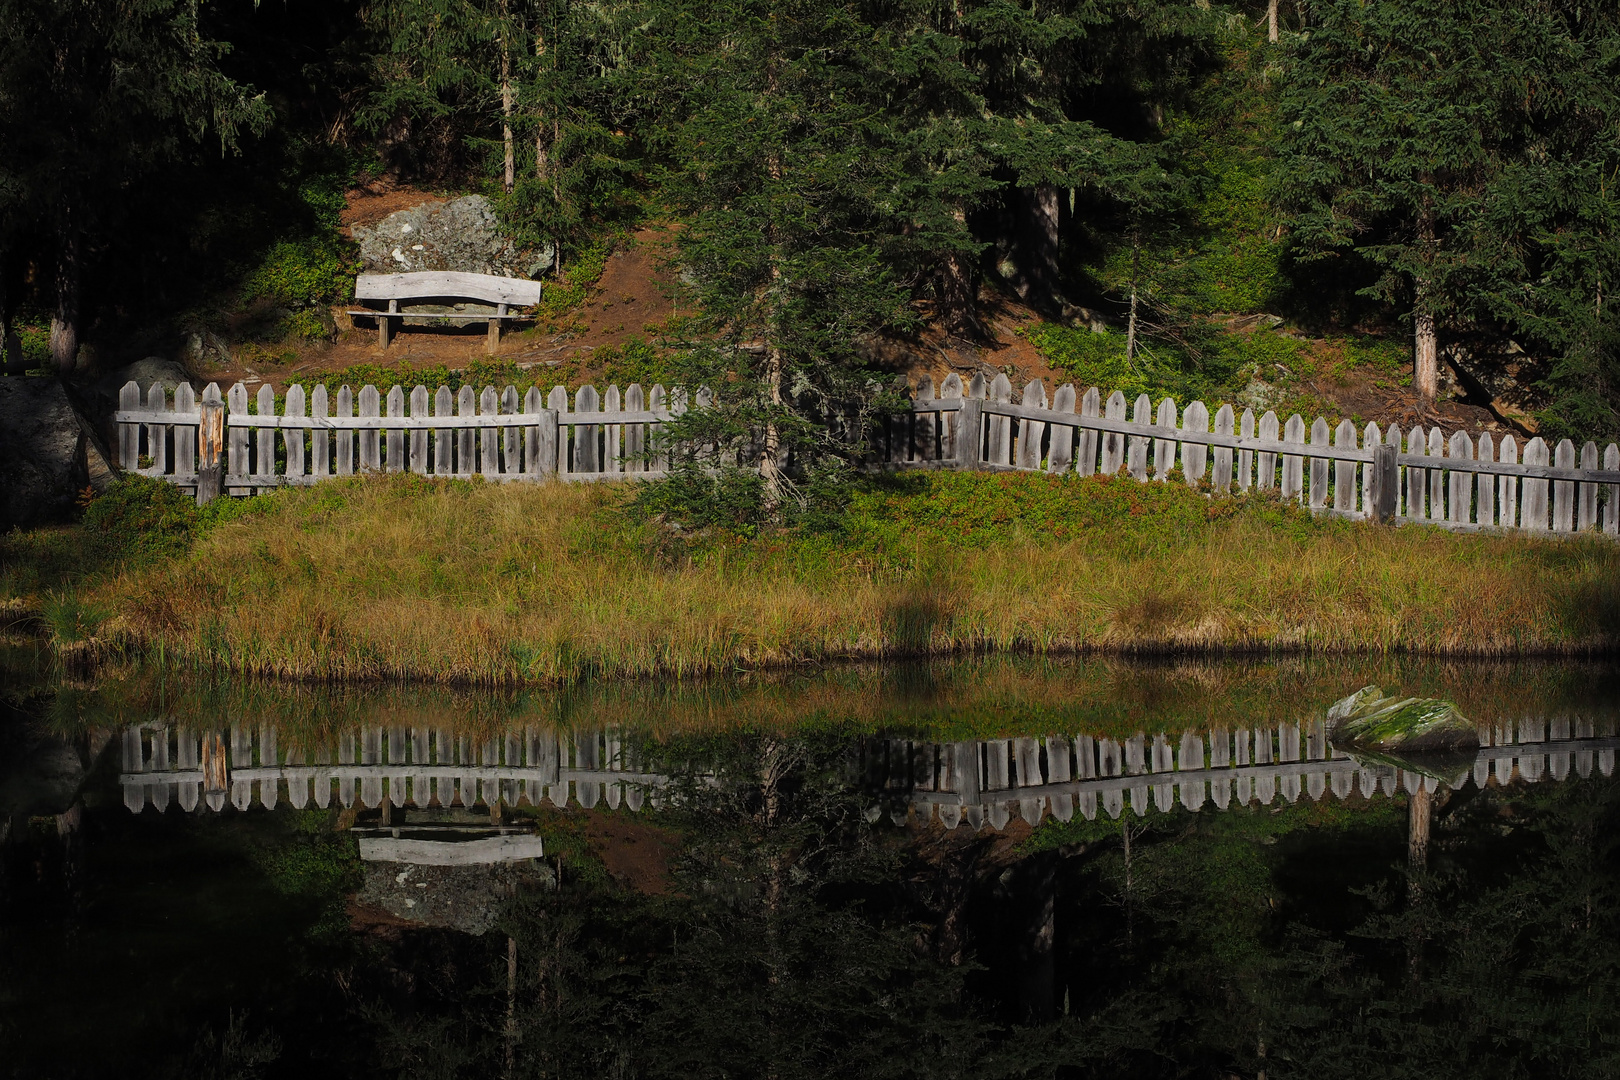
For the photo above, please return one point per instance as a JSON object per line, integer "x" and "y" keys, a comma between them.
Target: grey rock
{"x": 464, "y": 898}
{"x": 462, "y": 235}
{"x": 145, "y": 372}
{"x": 48, "y": 454}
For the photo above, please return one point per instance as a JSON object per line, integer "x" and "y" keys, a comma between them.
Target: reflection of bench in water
{"x": 990, "y": 781}
{"x": 431, "y": 848}
{"x": 406, "y": 766}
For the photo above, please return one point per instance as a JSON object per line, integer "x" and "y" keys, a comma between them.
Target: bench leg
{"x": 382, "y": 332}
{"x": 493, "y": 341}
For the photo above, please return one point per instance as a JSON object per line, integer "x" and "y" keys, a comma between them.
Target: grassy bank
{"x": 401, "y": 577}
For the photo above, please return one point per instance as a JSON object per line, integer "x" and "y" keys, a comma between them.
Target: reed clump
{"x": 406, "y": 578}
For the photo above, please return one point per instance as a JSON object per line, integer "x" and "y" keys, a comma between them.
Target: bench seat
{"x": 427, "y": 286}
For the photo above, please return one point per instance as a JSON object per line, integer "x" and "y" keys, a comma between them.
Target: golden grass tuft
{"x": 401, "y": 578}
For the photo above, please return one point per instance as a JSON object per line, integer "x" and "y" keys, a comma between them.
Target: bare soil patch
{"x": 633, "y": 298}
{"x": 370, "y": 202}
{"x": 635, "y": 854}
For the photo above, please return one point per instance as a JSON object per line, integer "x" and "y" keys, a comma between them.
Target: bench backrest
{"x": 446, "y": 284}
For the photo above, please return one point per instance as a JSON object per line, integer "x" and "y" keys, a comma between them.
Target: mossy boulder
{"x": 1370, "y": 720}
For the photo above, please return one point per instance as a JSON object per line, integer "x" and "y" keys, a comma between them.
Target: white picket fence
{"x": 992, "y": 781}
{"x": 1455, "y": 482}
{"x": 317, "y": 436}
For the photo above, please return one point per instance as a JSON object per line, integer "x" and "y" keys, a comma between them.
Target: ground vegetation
{"x": 407, "y": 578}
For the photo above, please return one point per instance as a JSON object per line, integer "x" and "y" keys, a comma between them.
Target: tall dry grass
{"x": 404, "y": 578}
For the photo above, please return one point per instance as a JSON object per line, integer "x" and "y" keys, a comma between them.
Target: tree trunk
{"x": 959, "y": 289}
{"x": 1271, "y": 21}
{"x": 511, "y": 1006}
{"x": 1425, "y": 346}
{"x": 542, "y": 145}
{"x": 1425, "y": 353}
{"x": 1130, "y": 907}
{"x": 65, "y": 320}
{"x": 506, "y": 103}
{"x": 1419, "y": 813}
{"x": 770, "y": 454}
{"x": 1036, "y": 879}
{"x": 1041, "y": 232}
{"x": 1130, "y": 327}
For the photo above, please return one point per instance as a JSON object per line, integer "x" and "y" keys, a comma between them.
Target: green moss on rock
{"x": 1370, "y": 720}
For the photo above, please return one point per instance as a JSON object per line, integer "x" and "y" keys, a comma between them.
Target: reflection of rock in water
{"x": 465, "y": 898}
{"x": 37, "y": 775}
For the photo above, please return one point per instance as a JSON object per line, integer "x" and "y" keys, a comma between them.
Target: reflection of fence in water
{"x": 407, "y": 766}
{"x": 990, "y": 781}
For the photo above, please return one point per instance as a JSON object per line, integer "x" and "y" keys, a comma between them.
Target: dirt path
{"x": 634, "y": 298}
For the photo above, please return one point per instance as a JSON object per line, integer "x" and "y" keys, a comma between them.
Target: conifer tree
{"x": 93, "y": 96}
{"x": 1463, "y": 149}
{"x": 528, "y": 87}
{"x": 1392, "y": 130}
{"x": 782, "y": 165}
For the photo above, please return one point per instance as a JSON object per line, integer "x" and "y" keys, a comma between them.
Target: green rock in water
{"x": 1412, "y": 725}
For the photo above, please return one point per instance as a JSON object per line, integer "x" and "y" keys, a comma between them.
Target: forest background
{"x": 1437, "y": 174}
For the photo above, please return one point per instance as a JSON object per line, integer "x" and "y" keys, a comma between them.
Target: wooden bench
{"x": 430, "y": 286}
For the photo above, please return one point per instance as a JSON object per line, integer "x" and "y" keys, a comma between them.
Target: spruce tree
{"x": 95, "y": 95}
{"x": 1461, "y": 148}
{"x": 782, "y": 166}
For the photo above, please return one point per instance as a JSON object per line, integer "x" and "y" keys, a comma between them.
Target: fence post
{"x": 1386, "y": 483}
{"x": 210, "y": 447}
{"x": 969, "y": 431}
{"x": 549, "y": 451}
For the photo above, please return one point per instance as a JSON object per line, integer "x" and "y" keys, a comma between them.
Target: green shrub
{"x": 577, "y": 278}
{"x": 70, "y": 618}
{"x": 306, "y": 323}
{"x": 1091, "y": 359}
{"x": 636, "y": 361}
{"x": 692, "y": 497}
{"x": 302, "y": 274}
{"x": 141, "y": 515}
{"x": 36, "y": 345}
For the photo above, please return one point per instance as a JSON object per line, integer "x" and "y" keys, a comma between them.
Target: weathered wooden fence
{"x": 164, "y": 765}
{"x": 316, "y": 436}
{"x": 1416, "y": 476}
{"x": 1420, "y": 476}
{"x": 991, "y": 781}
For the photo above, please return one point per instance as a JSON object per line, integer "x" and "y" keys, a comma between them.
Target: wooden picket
{"x": 1457, "y": 482}
{"x": 1454, "y": 482}
{"x": 487, "y": 432}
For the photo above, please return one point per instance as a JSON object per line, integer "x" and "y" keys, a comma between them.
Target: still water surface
{"x": 985, "y": 868}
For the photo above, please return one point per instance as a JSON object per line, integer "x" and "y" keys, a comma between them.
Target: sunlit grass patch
{"x": 462, "y": 581}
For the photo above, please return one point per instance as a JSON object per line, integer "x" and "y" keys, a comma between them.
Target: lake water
{"x": 982, "y": 868}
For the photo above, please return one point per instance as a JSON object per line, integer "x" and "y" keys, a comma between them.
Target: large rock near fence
{"x": 461, "y": 235}
{"x": 102, "y": 397}
{"x": 48, "y": 454}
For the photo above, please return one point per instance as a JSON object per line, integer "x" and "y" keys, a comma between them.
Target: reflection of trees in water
{"x": 786, "y": 950}
{"x": 1304, "y": 948}
{"x": 1247, "y": 942}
